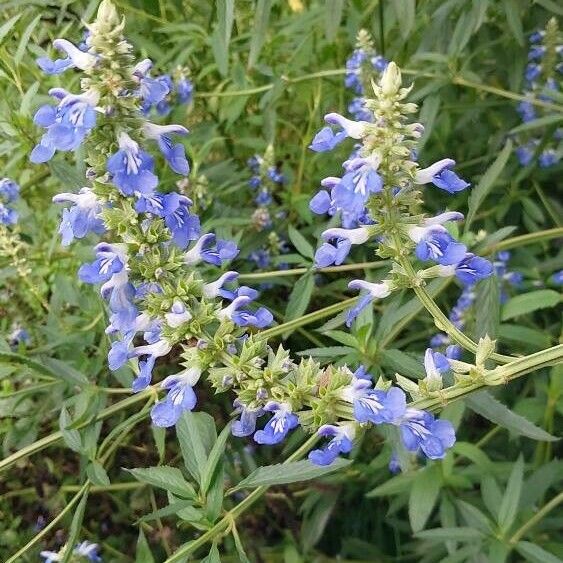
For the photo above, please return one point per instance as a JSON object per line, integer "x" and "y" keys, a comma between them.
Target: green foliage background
{"x": 265, "y": 72}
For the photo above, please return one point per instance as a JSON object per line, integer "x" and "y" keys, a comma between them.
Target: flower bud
{"x": 391, "y": 79}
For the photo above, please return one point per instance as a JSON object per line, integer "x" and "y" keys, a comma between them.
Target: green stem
{"x": 232, "y": 514}
{"x": 56, "y": 436}
{"x": 441, "y": 321}
{"x": 555, "y": 501}
{"x": 500, "y": 375}
{"x": 505, "y": 93}
{"x": 306, "y": 319}
{"x": 300, "y": 271}
{"x": 83, "y": 490}
{"x": 522, "y": 240}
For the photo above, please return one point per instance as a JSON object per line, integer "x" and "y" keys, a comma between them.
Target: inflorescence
{"x": 541, "y": 81}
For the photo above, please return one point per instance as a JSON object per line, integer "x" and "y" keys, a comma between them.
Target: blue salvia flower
{"x": 433, "y": 242}
{"x": 185, "y": 90}
{"x": 67, "y": 124}
{"x": 211, "y": 250}
{"x": 335, "y": 253}
{"x": 374, "y": 405}
{"x": 371, "y": 291}
{"x": 150, "y": 352}
{"x": 278, "y": 427}
{"x": 151, "y": 90}
{"x": 421, "y": 431}
{"x": 557, "y": 278}
{"x": 180, "y": 397}
{"x": 82, "y": 549}
{"x": 340, "y": 442}
{"x": 76, "y": 58}
{"x": 9, "y": 192}
{"x": 326, "y": 139}
{"x": 131, "y": 168}
{"x": 174, "y": 153}
{"x": 442, "y": 176}
{"x": 246, "y": 425}
{"x": 469, "y": 270}
{"x": 235, "y": 312}
{"x": 82, "y": 218}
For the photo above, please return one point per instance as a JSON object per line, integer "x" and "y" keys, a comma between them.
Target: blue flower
{"x": 433, "y": 242}
{"x": 110, "y": 260}
{"x": 526, "y": 110}
{"x": 246, "y": 425}
{"x": 8, "y": 216}
{"x": 180, "y": 397}
{"x": 340, "y": 443}
{"x": 374, "y": 405}
{"x": 131, "y": 168}
{"x": 325, "y": 140}
{"x": 469, "y": 270}
{"x": 185, "y": 90}
{"x": 174, "y": 153}
{"x": 82, "y": 218}
{"x": 243, "y": 317}
{"x": 525, "y": 154}
{"x": 547, "y": 158}
{"x": 420, "y": 430}
{"x": 557, "y": 278}
{"x": 441, "y": 175}
{"x": 215, "y": 289}
{"x": 278, "y": 426}
{"x": 372, "y": 291}
{"x": 205, "y": 249}
{"x": 76, "y": 58}
{"x": 9, "y": 190}
{"x": 336, "y": 253}
{"x": 151, "y": 90}
{"x": 183, "y": 225}
{"x": 261, "y": 258}
{"x": 152, "y": 351}
{"x": 532, "y": 72}
{"x": 88, "y": 550}
{"x": 67, "y": 124}
{"x": 353, "y": 71}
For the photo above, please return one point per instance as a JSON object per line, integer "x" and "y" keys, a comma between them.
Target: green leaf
{"x": 474, "y": 517}
{"x": 67, "y": 175}
{"x": 71, "y": 437}
{"x": 514, "y": 21}
{"x": 7, "y": 27}
{"x": 75, "y": 527}
{"x": 487, "y": 308}
{"x": 97, "y": 474}
{"x": 300, "y": 297}
{"x": 17, "y": 359}
{"x": 300, "y": 242}
{"x": 172, "y": 509}
{"x": 529, "y": 302}
{"x": 475, "y": 454}
{"x": 67, "y": 373}
{"x": 165, "y": 477}
{"x": 535, "y": 553}
{"x": 486, "y": 405}
{"x": 405, "y": 12}
{"x": 403, "y": 363}
{"x": 481, "y": 190}
{"x": 491, "y": 494}
{"x": 284, "y": 473}
{"x": 551, "y": 6}
{"x": 423, "y": 496}
{"x": 509, "y": 505}
{"x": 445, "y": 534}
{"x": 143, "y": 553}
{"x": 213, "y": 555}
{"x": 191, "y": 443}
{"x": 216, "y": 454}
{"x": 538, "y": 123}
{"x": 333, "y": 16}
{"x": 25, "y": 39}
{"x": 530, "y": 337}
{"x": 259, "y": 28}
{"x": 398, "y": 484}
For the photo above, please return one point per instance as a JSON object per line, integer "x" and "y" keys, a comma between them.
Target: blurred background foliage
{"x": 265, "y": 72}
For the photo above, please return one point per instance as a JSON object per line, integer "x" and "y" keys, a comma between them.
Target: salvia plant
{"x": 142, "y": 292}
